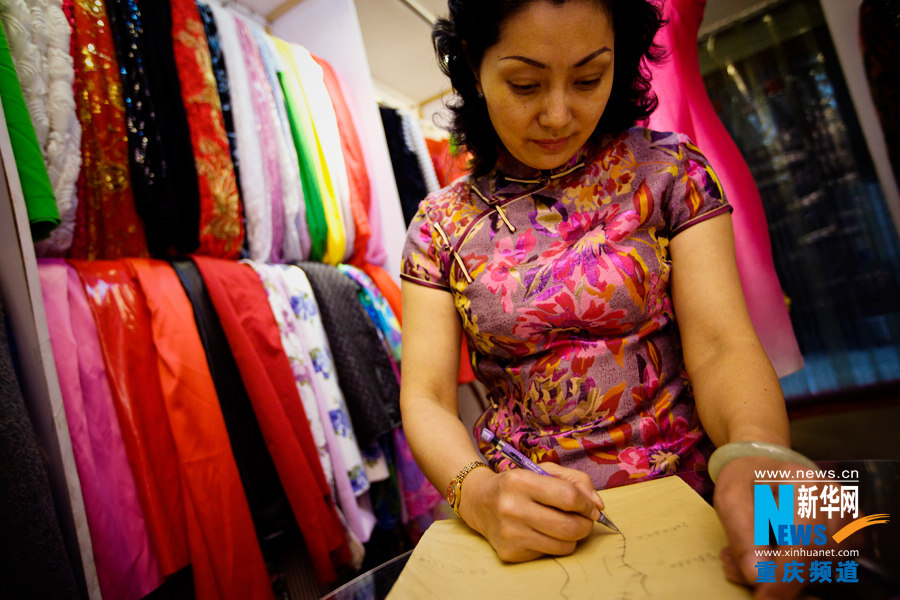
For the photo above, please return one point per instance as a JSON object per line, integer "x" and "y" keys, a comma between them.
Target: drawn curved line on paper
{"x": 854, "y": 526}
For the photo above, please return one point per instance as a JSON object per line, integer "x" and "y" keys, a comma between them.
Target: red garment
{"x": 107, "y": 224}
{"x": 243, "y": 309}
{"x": 126, "y": 341}
{"x": 221, "y": 225}
{"x": 357, "y": 175}
{"x": 225, "y": 554}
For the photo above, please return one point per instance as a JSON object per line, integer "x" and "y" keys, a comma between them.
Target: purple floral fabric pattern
{"x": 561, "y": 282}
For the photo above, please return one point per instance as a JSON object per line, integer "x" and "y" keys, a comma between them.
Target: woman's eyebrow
{"x": 540, "y": 65}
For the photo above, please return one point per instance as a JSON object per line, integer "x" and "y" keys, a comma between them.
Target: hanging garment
{"x": 107, "y": 224}
{"x": 420, "y": 497}
{"x": 268, "y": 503}
{"x": 357, "y": 175}
{"x": 410, "y": 182}
{"x": 40, "y": 203}
{"x": 254, "y": 183}
{"x": 125, "y": 561}
{"x": 366, "y": 377}
{"x": 264, "y": 111}
{"x": 33, "y": 558}
{"x": 38, "y": 37}
{"x": 165, "y": 185}
{"x": 378, "y": 309}
{"x": 388, "y": 287}
{"x": 415, "y": 141}
{"x": 342, "y": 444}
{"x": 63, "y": 150}
{"x": 225, "y": 556}
{"x": 221, "y": 229}
{"x": 120, "y": 312}
{"x": 293, "y": 346}
{"x": 305, "y": 107}
{"x": 328, "y": 138}
{"x": 240, "y": 302}
{"x": 296, "y": 234}
{"x": 685, "y": 107}
{"x": 303, "y": 135}
{"x": 449, "y": 163}
{"x": 216, "y": 55}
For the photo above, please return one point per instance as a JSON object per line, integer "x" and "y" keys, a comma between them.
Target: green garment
{"x": 40, "y": 203}
{"x": 311, "y": 176}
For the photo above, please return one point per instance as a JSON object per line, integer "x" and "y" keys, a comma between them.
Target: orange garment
{"x": 126, "y": 341}
{"x": 357, "y": 175}
{"x": 448, "y": 166}
{"x": 247, "y": 320}
{"x": 221, "y": 226}
{"x": 106, "y": 223}
{"x": 225, "y": 554}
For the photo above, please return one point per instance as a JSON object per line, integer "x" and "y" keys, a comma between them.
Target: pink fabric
{"x": 685, "y": 107}
{"x": 265, "y": 111}
{"x": 126, "y": 564}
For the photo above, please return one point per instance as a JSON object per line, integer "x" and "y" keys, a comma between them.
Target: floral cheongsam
{"x": 561, "y": 281}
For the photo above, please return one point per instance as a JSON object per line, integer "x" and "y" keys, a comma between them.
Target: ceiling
{"x": 398, "y": 39}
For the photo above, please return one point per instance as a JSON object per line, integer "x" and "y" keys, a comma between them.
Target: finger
{"x": 528, "y": 544}
{"x": 584, "y": 486}
{"x": 561, "y": 525}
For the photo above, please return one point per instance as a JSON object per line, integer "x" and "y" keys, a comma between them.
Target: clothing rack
{"x": 420, "y": 11}
{"x": 245, "y": 10}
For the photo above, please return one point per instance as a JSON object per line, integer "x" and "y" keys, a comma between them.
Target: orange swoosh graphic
{"x": 854, "y": 526}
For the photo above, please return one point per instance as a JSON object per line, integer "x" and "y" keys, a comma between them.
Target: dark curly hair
{"x": 472, "y": 26}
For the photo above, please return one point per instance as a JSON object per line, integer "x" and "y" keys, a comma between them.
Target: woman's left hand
{"x": 734, "y": 503}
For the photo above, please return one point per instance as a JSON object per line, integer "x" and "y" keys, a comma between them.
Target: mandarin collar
{"x": 511, "y": 177}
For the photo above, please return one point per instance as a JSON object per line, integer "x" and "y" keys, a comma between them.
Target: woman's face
{"x": 547, "y": 80}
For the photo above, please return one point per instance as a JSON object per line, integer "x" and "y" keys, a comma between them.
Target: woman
{"x": 565, "y": 258}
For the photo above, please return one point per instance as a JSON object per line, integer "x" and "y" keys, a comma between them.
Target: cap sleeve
{"x": 696, "y": 192}
{"x": 423, "y": 261}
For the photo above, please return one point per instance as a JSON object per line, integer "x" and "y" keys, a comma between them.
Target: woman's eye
{"x": 523, "y": 88}
{"x": 588, "y": 84}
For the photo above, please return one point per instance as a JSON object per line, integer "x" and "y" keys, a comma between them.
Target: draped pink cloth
{"x": 685, "y": 107}
{"x": 265, "y": 113}
{"x": 125, "y": 561}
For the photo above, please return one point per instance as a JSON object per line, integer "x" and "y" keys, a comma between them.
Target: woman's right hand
{"x": 525, "y": 515}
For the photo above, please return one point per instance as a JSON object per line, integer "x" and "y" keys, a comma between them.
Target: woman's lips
{"x": 552, "y": 145}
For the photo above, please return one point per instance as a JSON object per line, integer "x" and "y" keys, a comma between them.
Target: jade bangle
{"x": 727, "y": 453}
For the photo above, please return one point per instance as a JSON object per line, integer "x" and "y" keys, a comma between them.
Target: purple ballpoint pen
{"x": 524, "y": 462}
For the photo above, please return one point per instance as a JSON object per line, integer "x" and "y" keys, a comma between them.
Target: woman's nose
{"x": 555, "y": 111}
